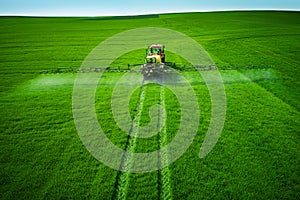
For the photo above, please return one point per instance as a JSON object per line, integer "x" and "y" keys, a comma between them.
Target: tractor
{"x": 154, "y": 61}
{"x": 158, "y": 50}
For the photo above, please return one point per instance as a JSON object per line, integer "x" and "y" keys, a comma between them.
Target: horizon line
{"x": 141, "y": 14}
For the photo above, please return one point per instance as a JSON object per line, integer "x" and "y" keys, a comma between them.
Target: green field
{"x": 256, "y": 157}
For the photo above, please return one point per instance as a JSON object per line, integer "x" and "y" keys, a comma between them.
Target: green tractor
{"x": 154, "y": 61}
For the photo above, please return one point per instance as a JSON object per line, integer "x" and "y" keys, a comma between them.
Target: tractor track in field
{"x": 164, "y": 175}
{"x": 122, "y": 178}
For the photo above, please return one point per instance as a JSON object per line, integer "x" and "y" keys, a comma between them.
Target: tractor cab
{"x": 158, "y": 50}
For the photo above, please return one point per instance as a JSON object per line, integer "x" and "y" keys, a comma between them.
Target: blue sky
{"x": 132, "y": 7}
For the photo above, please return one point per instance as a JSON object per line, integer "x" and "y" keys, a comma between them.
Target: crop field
{"x": 256, "y": 157}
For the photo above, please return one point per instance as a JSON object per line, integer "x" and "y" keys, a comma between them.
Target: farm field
{"x": 256, "y": 157}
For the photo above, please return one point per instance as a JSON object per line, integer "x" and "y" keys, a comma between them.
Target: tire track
{"x": 164, "y": 175}
{"x": 123, "y": 178}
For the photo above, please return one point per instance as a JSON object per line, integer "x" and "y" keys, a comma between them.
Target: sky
{"x": 135, "y": 7}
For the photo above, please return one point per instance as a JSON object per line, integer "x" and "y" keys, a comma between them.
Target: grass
{"x": 256, "y": 157}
